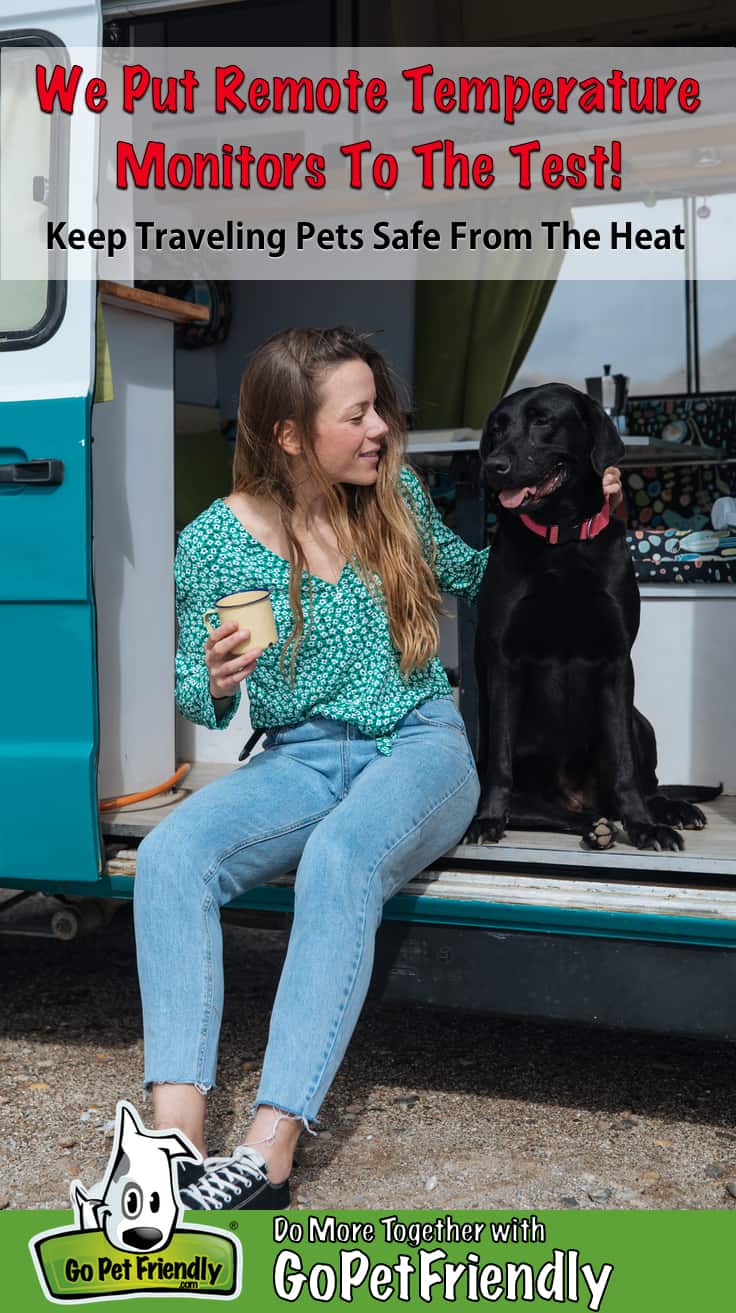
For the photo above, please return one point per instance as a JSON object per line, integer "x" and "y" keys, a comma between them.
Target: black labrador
{"x": 561, "y": 744}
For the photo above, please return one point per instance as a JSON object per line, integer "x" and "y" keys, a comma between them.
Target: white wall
{"x": 133, "y": 511}
{"x": 684, "y": 667}
{"x": 212, "y": 376}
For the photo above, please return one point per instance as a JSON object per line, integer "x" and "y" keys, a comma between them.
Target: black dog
{"x": 561, "y": 744}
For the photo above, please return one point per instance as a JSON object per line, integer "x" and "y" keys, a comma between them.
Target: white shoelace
{"x": 211, "y": 1190}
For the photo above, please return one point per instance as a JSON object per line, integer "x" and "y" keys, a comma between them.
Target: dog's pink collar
{"x": 588, "y": 529}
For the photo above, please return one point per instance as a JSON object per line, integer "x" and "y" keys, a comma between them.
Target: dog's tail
{"x": 690, "y": 792}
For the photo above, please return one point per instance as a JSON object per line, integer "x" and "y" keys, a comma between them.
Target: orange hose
{"x": 112, "y": 804}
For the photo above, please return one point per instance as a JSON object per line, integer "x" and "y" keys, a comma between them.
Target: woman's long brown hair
{"x": 374, "y": 526}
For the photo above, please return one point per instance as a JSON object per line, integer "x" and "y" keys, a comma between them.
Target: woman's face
{"x": 348, "y": 433}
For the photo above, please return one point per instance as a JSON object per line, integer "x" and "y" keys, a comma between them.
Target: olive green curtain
{"x": 471, "y": 337}
{"x": 470, "y": 340}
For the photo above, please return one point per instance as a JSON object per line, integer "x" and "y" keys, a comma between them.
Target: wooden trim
{"x": 151, "y": 303}
{"x": 681, "y": 898}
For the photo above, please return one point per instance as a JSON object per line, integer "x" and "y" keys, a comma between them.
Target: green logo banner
{"x": 619, "y": 1262}
{"x": 83, "y": 1265}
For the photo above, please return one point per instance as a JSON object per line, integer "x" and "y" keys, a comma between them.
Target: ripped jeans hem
{"x": 148, "y": 1085}
{"x": 284, "y": 1114}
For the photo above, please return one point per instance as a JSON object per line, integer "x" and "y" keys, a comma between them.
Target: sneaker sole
{"x": 274, "y": 1199}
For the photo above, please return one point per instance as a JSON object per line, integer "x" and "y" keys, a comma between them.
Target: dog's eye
{"x": 132, "y": 1200}
{"x": 154, "y": 1202}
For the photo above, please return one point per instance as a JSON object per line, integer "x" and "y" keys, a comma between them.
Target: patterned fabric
{"x": 669, "y": 506}
{"x": 677, "y": 556}
{"x": 681, "y": 496}
{"x": 347, "y": 667}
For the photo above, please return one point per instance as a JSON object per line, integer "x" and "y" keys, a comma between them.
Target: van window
{"x": 636, "y": 323}
{"x": 33, "y": 184}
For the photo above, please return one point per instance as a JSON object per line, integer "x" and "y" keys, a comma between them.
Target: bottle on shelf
{"x": 608, "y": 391}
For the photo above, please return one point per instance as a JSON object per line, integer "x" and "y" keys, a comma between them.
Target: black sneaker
{"x": 188, "y": 1173}
{"x": 237, "y": 1182}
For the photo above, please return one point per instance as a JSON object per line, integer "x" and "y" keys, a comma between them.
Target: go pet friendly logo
{"x": 128, "y": 1238}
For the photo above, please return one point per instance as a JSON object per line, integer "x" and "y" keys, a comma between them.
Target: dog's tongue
{"x": 513, "y": 497}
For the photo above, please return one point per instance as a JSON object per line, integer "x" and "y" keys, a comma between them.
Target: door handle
{"x": 46, "y": 472}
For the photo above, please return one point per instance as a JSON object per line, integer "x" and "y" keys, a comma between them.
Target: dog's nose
{"x": 498, "y": 464}
{"x": 142, "y": 1237}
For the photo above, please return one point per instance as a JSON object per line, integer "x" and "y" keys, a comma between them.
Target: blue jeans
{"x": 357, "y": 825}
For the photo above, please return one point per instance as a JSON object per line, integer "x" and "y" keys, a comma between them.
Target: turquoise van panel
{"x": 49, "y": 730}
{"x": 45, "y": 542}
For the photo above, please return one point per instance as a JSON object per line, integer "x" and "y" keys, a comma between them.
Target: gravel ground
{"x": 430, "y": 1108}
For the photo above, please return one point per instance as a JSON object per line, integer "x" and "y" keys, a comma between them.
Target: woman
{"x": 367, "y": 775}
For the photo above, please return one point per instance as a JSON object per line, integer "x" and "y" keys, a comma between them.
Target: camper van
{"x": 117, "y": 401}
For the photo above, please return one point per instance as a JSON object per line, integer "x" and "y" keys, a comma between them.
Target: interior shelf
{"x": 635, "y": 455}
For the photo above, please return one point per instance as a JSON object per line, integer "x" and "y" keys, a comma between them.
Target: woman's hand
{"x": 226, "y": 670}
{"x": 612, "y": 490}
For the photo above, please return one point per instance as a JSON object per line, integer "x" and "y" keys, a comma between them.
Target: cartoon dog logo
{"x": 137, "y": 1205}
{"x": 136, "y": 1209}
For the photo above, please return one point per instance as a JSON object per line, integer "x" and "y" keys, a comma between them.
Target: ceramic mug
{"x": 251, "y": 610}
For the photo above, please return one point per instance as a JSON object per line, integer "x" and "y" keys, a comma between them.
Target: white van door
{"x": 49, "y": 830}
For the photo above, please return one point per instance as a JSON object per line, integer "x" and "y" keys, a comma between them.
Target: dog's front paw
{"x": 662, "y": 838}
{"x": 486, "y": 829}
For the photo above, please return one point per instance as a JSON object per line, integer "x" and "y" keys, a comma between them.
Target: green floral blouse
{"x": 347, "y": 667}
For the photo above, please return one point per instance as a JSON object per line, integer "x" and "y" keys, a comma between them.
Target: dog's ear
{"x": 606, "y": 447}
